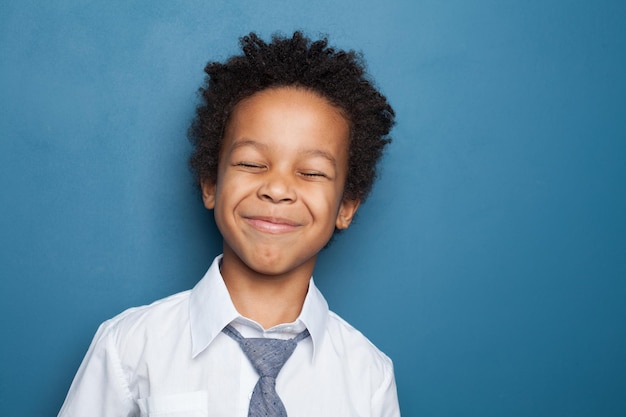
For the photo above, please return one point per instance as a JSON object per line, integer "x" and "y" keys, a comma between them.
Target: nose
{"x": 277, "y": 188}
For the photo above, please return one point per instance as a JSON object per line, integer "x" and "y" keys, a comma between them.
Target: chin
{"x": 272, "y": 266}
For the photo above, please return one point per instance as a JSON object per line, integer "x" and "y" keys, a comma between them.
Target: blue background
{"x": 489, "y": 262}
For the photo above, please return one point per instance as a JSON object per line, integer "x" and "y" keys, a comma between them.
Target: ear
{"x": 208, "y": 193}
{"x": 347, "y": 210}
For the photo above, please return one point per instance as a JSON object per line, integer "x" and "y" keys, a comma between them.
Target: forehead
{"x": 289, "y": 96}
{"x": 288, "y": 116}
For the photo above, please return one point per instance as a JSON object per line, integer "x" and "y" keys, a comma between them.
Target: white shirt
{"x": 171, "y": 359}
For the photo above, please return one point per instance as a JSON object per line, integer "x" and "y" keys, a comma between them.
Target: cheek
{"x": 228, "y": 185}
{"x": 325, "y": 204}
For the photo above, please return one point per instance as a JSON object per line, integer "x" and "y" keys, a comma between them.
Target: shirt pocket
{"x": 188, "y": 404}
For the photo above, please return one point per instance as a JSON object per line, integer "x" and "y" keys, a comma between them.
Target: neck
{"x": 267, "y": 299}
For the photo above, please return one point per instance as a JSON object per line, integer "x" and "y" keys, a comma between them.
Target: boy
{"x": 285, "y": 149}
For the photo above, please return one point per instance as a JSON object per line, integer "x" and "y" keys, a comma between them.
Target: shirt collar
{"x": 211, "y": 309}
{"x": 314, "y": 315}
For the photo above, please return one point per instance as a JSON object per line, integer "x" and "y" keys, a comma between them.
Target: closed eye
{"x": 313, "y": 174}
{"x": 249, "y": 165}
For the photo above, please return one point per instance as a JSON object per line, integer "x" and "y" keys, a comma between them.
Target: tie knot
{"x": 268, "y": 356}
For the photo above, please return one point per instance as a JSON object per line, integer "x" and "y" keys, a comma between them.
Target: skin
{"x": 278, "y": 198}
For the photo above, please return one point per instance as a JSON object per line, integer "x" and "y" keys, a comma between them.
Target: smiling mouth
{"x": 272, "y": 224}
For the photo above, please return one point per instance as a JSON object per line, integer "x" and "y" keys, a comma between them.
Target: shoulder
{"x": 151, "y": 321}
{"x": 354, "y": 346}
{"x": 356, "y": 361}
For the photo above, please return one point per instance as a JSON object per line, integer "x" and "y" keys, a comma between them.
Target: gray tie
{"x": 267, "y": 356}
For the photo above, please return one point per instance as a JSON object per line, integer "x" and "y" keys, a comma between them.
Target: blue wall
{"x": 489, "y": 263}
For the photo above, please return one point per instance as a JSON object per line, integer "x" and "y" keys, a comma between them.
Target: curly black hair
{"x": 336, "y": 75}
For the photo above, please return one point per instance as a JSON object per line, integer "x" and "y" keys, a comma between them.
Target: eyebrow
{"x": 248, "y": 142}
{"x": 323, "y": 154}
{"x": 308, "y": 152}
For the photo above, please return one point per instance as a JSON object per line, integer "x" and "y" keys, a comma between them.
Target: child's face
{"x": 281, "y": 175}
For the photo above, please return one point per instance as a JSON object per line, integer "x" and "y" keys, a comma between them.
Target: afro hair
{"x": 336, "y": 75}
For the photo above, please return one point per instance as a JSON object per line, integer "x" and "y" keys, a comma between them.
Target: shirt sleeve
{"x": 100, "y": 387}
{"x": 385, "y": 400}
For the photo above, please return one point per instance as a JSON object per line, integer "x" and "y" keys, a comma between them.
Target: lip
{"x": 275, "y": 225}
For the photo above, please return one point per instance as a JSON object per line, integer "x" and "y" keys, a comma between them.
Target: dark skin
{"x": 339, "y": 76}
{"x": 278, "y": 198}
